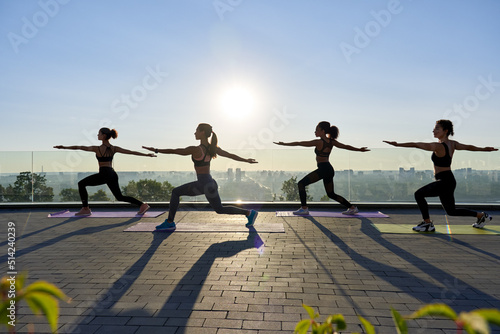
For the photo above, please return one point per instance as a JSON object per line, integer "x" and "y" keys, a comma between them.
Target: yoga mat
{"x": 333, "y": 214}
{"x": 440, "y": 229}
{"x": 209, "y": 227}
{"x": 104, "y": 214}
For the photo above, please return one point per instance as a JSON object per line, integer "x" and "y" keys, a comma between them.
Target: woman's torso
{"x": 442, "y": 158}
{"x": 323, "y": 150}
{"x": 104, "y": 155}
{"x": 202, "y": 160}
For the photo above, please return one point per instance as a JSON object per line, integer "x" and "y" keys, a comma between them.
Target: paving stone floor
{"x": 143, "y": 282}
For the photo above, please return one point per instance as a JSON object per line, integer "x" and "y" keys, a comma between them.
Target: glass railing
{"x": 381, "y": 175}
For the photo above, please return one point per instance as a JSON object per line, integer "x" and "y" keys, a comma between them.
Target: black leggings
{"x": 444, "y": 187}
{"x": 108, "y": 176}
{"x": 325, "y": 171}
{"x": 207, "y": 186}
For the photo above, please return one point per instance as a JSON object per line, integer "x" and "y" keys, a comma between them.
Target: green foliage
{"x": 333, "y": 322}
{"x": 69, "y": 195}
{"x": 99, "y": 195}
{"x": 474, "y": 322}
{"x": 42, "y": 298}
{"x": 291, "y": 190}
{"x": 325, "y": 198}
{"x": 399, "y": 321}
{"x": 26, "y": 185}
{"x": 149, "y": 190}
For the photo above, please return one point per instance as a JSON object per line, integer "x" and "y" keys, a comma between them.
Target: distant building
{"x": 230, "y": 174}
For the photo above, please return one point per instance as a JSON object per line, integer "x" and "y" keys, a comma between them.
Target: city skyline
{"x": 473, "y": 186}
{"x": 295, "y": 159}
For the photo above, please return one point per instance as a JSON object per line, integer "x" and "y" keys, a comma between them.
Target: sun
{"x": 237, "y": 102}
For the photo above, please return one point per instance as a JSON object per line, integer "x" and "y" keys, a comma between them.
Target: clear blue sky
{"x": 155, "y": 69}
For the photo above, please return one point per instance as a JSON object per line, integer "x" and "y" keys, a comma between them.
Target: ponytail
{"x": 212, "y": 149}
{"x": 331, "y": 131}
{"x": 109, "y": 133}
{"x": 207, "y": 129}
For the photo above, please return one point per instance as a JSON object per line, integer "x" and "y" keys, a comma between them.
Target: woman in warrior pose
{"x": 205, "y": 184}
{"x": 323, "y": 146}
{"x": 107, "y": 175}
{"x": 445, "y": 184}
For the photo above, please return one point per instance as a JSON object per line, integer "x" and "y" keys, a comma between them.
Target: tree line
{"x": 30, "y": 187}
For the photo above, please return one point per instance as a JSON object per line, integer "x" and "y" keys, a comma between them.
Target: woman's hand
{"x": 393, "y": 143}
{"x": 149, "y": 148}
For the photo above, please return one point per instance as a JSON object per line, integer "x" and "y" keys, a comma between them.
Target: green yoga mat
{"x": 440, "y": 229}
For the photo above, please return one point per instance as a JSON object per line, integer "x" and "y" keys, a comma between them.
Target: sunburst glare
{"x": 237, "y": 102}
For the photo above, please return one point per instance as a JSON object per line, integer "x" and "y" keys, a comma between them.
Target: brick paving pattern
{"x": 140, "y": 282}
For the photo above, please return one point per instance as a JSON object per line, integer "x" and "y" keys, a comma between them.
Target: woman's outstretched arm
{"x": 179, "y": 151}
{"x": 299, "y": 143}
{"x": 349, "y": 147}
{"x": 465, "y": 147}
{"x": 76, "y": 147}
{"x": 125, "y": 151}
{"x": 422, "y": 146}
{"x": 223, "y": 153}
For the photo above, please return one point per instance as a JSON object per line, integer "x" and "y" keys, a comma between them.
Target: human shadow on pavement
{"x": 178, "y": 307}
{"x": 24, "y": 236}
{"x": 103, "y": 303}
{"x": 454, "y": 292}
{"x": 454, "y": 239}
{"x": 449, "y": 291}
{"x": 83, "y": 231}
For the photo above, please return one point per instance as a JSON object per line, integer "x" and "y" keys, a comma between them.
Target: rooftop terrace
{"x": 251, "y": 281}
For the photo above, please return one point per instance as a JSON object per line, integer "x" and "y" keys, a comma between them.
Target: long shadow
{"x": 176, "y": 308}
{"x": 454, "y": 288}
{"x": 323, "y": 266}
{"x": 120, "y": 287}
{"x": 454, "y": 240}
{"x": 84, "y": 231}
{"x": 425, "y": 291}
{"x": 23, "y": 236}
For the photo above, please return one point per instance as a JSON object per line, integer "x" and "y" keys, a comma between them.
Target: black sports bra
{"x": 322, "y": 153}
{"x": 202, "y": 162}
{"x": 444, "y": 161}
{"x": 107, "y": 156}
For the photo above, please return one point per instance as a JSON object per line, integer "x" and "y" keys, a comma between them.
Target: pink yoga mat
{"x": 209, "y": 227}
{"x": 333, "y": 214}
{"x": 104, "y": 214}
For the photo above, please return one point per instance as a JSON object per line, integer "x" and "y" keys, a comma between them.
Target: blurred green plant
{"x": 473, "y": 322}
{"x": 41, "y": 297}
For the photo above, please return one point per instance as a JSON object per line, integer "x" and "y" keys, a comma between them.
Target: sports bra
{"x": 202, "y": 162}
{"x": 444, "y": 161}
{"x": 322, "y": 153}
{"x": 107, "y": 156}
